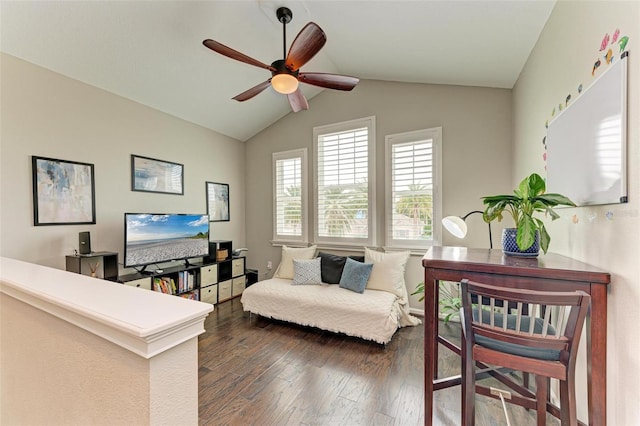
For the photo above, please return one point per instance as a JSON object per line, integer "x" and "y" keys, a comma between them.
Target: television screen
{"x": 156, "y": 238}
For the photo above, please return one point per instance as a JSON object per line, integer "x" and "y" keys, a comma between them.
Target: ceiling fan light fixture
{"x": 284, "y": 83}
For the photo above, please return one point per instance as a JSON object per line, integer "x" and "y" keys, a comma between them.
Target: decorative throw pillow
{"x": 285, "y": 269}
{"x": 332, "y": 266}
{"x": 388, "y": 270}
{"x": 355, "y": 275}
{"x": 306, "y": 271}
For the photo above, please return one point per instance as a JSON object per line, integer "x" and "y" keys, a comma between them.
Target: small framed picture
{"x": 218, "y": 202}
{"x": 63, "y": 192}
{"x": 151, "y": 175}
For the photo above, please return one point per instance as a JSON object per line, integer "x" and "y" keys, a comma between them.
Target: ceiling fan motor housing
{"x": 282, "y": 68}
{"x": 284, "y": 15}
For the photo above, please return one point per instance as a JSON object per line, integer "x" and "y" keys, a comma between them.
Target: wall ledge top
{"x": 144, "y": 322}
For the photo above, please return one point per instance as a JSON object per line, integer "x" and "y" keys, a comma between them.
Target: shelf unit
{"x": 105, "y": 264}
{"x": 213, "y": 282}
{"x": 231, "y": 278}
{"x": 183, "y": 281}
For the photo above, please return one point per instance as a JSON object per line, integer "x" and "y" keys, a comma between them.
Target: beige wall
{"x": 562, "y": 59}
{"x": 52, "y": 351}
{"x": 476, "y": 139}
{"x": 54, "y": 372}
{"x": 46, "y": 114}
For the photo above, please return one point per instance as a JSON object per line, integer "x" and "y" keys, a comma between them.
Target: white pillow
{"x": 388, "y": 271}
{"x": 285, "y": 269}
{"x": 306, "y": 272}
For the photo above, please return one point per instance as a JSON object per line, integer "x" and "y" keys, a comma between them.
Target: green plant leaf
{"x": 526, "y": 235}
{"x": 496, "y": 205}
{"x": 556, "y": 200}
{"x": 552, "y": 213}
{"x": 545, "y": 238}
{"x": 419, "y": 290}
{"x": 536, "y": 185}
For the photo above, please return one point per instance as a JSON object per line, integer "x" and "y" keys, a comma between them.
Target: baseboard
{"x": 417, "y": 312}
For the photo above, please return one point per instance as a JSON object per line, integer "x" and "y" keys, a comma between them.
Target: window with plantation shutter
{"x": 344, "y": 183}
{"x": 412, "y": 188}
{"x": 290, "y": 198}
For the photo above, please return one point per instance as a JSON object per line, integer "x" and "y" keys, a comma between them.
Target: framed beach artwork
{"x": 151, "y": 175}
{"x": 218, "y": 201}
{"x": 63, "y": 192}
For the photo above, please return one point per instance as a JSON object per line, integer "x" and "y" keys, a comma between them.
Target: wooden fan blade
{"x": 234, "y": 54}
{"x": 297, "y": 101}
{"x": 255, "y": 90}
{"x": 307, "y": 43}
{"x": 329, "y": 81}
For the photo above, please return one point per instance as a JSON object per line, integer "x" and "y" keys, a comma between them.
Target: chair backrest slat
{"x": 505, "y": 313}
{"x": 492, "y": 306}
{"x": 560, "y": 323}
{"x": 534, "y": 314}
{"x": 547, "y": 320}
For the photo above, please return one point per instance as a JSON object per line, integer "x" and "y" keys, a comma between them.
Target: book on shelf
{"x": 191, "y": 296}
{"x": 164, "y": 285}
{"x": 185, "y": 281}
{"x": 190, "y": 280}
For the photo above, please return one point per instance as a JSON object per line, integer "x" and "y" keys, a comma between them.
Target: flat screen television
{"x": 156, "y": 238}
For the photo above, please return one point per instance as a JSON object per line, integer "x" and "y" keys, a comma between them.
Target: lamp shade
{"x": 455, "y": 225}
{"x": 284, "y": 83}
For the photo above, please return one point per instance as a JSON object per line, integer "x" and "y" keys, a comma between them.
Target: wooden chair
{"x": 542, "y": 345}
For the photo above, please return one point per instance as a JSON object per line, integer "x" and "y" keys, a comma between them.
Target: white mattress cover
{"x": 373, "y": 315}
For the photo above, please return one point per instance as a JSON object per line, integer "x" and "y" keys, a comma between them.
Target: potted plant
{"x": 527, "y": 199}
{"x": 450, "y": 301}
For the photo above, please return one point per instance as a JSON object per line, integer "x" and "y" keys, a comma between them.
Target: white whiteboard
{"x": 587, "y": 142}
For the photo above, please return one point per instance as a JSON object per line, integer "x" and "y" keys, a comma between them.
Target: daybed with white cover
{"x": 374, "y": 314}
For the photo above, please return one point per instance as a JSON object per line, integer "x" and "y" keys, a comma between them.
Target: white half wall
{"x": 81, "y": 350}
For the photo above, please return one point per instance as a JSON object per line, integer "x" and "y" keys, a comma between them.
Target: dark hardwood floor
{"x": 264, "y": 372}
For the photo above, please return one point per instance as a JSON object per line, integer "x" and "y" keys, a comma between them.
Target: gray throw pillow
{"x": 355, "y": 275}
{"x": 306, "y": 271}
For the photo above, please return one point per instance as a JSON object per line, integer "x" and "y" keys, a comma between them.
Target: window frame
{"x": 304, "y": 214}
{"x": 435, "y": 135}
{"x": 371, "y": 240}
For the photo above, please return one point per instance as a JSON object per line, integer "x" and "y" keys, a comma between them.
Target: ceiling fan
{"x": 285, "y": 73}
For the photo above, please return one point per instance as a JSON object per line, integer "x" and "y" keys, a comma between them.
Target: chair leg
{"x": 541, "y": 399}
{"x": 568, "y": 414}
{"x": 468, "y": 388}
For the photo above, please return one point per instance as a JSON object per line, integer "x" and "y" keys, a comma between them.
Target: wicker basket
{"x": 222, "y": 254}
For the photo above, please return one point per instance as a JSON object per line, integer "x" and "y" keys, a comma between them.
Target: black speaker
{"x": 84, "y": 243}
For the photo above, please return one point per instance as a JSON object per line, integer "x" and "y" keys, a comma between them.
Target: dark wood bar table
{"x": 549, "y": 272}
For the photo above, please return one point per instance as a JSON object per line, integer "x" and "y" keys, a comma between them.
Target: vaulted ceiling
{"x": 151, "y": 51}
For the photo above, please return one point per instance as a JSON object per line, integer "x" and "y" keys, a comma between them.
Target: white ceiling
{"x": 152, "y": 52}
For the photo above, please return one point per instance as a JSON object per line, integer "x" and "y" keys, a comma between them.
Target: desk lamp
{"x": 457, "y": 226}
